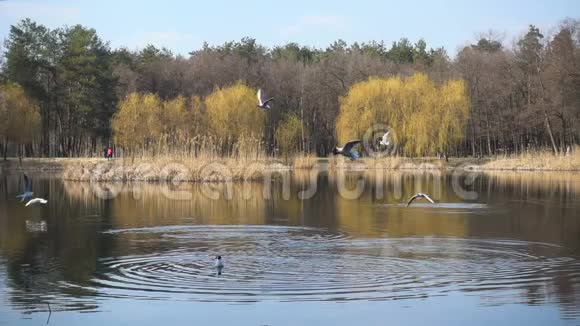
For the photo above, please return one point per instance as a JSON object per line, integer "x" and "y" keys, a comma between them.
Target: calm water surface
{"x": 141, "y": 253}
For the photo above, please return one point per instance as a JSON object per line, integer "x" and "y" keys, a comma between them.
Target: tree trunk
{"x": 546, "y": 118}
{"x": 5, "y": 149}
{"x": 488, "y": 140}
{"x": 549, "y": 128}
{"x": 472, "y": 137}
{"x": 564, "y": 137}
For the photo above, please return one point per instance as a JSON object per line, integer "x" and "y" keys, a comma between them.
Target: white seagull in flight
{"x": 262, "y": 101}
{"x": 420, "y": 195}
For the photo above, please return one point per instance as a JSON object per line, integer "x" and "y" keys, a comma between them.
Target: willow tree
{"x": 233, "y": 116}
{"x": 453, "y": 112}
{"x": 136, "y": 124}
{"x": 289, "y": 135}
{"x": 173, "y": 120}
{"x": 426, "y": 118}
{"x": 197, "y": 119}
{"x": 19, "y": 118}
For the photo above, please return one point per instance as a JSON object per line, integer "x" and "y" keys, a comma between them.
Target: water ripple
{"x": 305, "y": 264}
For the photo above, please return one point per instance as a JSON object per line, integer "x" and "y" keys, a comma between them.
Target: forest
{"x": 65, "y": 92}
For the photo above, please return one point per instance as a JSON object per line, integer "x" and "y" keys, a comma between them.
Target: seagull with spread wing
{"x": 385, "y": 139}
{"x": 420, "y": 195}
{"x": 36, "y": 201}
{"x": 347, "y": 150}
{"x": 262, "y": 101}
{"x": 27, "y": 194}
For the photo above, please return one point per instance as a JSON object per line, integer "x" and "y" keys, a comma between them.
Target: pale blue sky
{"x": 184, "y": 25}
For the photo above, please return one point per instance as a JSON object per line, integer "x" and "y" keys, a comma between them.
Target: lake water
{"x": 499, "y": 248}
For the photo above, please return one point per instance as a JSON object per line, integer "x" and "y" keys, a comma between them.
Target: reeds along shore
{"x": 253, "y": 164}
{"x": 538, "y": 160}
{"x": 215, "y": 169}
{"x": 168, "y": 168}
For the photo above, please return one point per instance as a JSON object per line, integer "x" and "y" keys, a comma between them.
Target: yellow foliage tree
{"x": 136, "y": 123}
{"x": 426, "y": 118}
{"x": 232, "y": 114}
{"x": 197, "y": 119}
{"x": 454, "y": 110}
{"x": 173, "y": 120}
{"x": 19, "y": 116}
{"x": 144, "y": 122}
{"x": 289, "y": 135}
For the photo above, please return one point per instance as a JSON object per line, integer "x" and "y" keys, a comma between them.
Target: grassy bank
{"x": 41, "y": 164}
{"x": 167, "y": 168}
{"x": 221, "y": 169}
{"x": 537, "y": 161}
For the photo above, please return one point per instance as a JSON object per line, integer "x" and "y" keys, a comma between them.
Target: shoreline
{"x": 230, "y": 169}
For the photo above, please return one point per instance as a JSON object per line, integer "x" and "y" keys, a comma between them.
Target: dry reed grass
{"x": 536, "y": 161}
{"x": 249, "y": 162}
{"x": 203, "y": 159}
{"x": 168, "y": 168}
{"x": 304, "y": 161}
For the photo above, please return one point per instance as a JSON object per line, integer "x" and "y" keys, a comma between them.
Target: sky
{"x": 183, "y": 26}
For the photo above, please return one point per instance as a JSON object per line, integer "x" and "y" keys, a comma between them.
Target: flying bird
{"x": 420, "y": 195}
{"x": 262, "y": 101}
{"x": 36, "y": 201}
{"x": 27, "y": 194}
{"x": 347, "y": 150}
{"x": 385, "y": 140}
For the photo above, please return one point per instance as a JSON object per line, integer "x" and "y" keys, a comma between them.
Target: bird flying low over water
{"x": 262, "y": 101}
{"x": 385, "y": 140}
{"x": 420, "y": 195}
{"x": 27, "y": 194}
{"x": 36, "y": 201}
{"x": 347, "y": 150}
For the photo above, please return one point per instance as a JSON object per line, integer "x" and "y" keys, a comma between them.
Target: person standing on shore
{"x": 109, "y": 153}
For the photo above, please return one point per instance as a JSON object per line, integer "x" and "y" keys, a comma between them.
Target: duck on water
{"x": 218, "y": 264}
